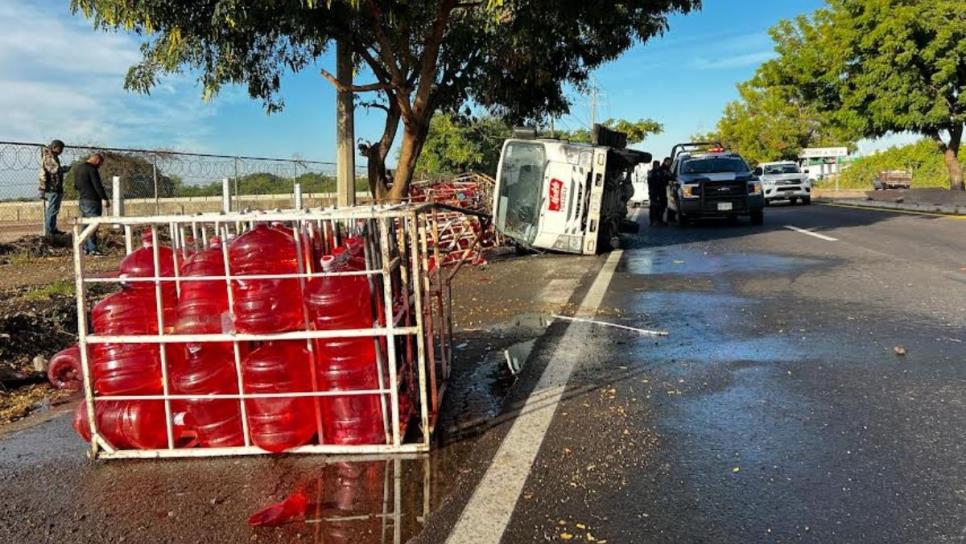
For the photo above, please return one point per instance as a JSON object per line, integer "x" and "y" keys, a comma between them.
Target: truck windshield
{"x": 521, "y": 184}
{"x": 772, "y": 169}
{"x": 714, "y": 165}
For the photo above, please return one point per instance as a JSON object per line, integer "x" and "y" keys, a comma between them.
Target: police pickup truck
{"x": 707, "y": 181}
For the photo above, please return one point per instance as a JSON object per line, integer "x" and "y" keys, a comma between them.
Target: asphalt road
{"x": 776, "y": 410}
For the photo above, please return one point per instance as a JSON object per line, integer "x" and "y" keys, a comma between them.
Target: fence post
{"x": 297, "y": 189}
{"x": 226, "y": 195}
{"x": 157, "y": 201}
{"x": 117, "y": 200}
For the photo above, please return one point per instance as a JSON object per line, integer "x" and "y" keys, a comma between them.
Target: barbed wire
{"x": 178, "y": 171}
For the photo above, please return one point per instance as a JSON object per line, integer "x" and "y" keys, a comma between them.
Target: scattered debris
{"x": 293, "y": 508}
{"x": 900, "y": 351}
{"x": 615, "y": 325}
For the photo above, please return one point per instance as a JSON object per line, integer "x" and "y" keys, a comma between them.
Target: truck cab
{"x": 708, "y": 181}
{"x": 563, "y": 196}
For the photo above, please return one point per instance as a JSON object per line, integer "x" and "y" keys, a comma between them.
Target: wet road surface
{"x": 775, "y": 411}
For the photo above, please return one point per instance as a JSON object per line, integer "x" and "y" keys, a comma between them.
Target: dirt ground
{"x": 38, "y": 316}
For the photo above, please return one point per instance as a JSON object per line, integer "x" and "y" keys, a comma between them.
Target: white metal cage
{"x": 411, "y": 331}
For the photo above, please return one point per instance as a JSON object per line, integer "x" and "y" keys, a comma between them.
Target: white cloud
{"x": 732, "y": 61}
{"x": 60, "y": 78}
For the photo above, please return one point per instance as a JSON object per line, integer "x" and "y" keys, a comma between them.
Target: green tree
{"x": 769, "y": 123}
{"x": 881, "y": 66}
{"x": 456, "y": 145}
{"x": 637, "y": 131}
{"x": 922, "y": 159}
{"x": 137, "y": 177}
{"x": 512, "y": 57}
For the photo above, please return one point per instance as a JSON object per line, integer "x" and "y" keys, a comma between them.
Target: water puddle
{"x": 366, "y": 502}
{"x": 694, "y": 262}
{"x": 484, "y": 373}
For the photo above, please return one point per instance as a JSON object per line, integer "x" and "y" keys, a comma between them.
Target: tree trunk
{"x": 414, "y": 136}
{"x": 951, "y": 156}
{"x": 376, "y": 154}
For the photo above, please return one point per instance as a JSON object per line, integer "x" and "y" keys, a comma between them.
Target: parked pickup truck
{"x": 784, "y": 181}
{"x": 892, "y": 179}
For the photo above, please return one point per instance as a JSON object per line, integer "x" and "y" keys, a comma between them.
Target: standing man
{"x": 90, "y": 194}
{"x": 656, "y": 193}
{"x": 52, "y": 184}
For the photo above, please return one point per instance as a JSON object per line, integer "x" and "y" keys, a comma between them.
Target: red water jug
{"x": 210, "y": 369}
{"x": 64, "y": 369}
{"x": 262, "y": 305}
{"x": 127, "y": 369}
{"x": 345, "y": 364}
{"x": 126, "y": 424}
{"x": 203, "y": 304}
{"x": 279, "y": 423}
{"x": 140, "y": 264}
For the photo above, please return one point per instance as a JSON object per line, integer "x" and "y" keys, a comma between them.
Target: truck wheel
{"x": 757, "y": 217}
{"x": 793, "y": 201}
{"x": 806, "y": 200}
{"x": 683, "y": 220}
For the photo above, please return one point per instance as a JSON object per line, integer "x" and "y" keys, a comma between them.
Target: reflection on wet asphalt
{"x": 695, "y": 262}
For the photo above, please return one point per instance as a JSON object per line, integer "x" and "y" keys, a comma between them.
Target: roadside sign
{"x": 823, "y": 152}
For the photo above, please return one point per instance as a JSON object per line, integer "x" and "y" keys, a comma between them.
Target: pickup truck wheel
{"x": 793, "y": 201}
{"x": 683, "y": 220}
{"x": 757, "y": 217}
{"x": 806, "y": 200}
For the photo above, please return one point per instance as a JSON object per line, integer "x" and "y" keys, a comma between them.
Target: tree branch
{"x": 427, "y": 69}
{"x": 342, "y": 88}
{"x": 385, "y": 46}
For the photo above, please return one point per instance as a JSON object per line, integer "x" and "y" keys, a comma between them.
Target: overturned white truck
{"x": 563, "y": 196}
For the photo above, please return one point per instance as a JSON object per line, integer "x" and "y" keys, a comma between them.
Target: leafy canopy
{"x": 881, "y": 66}
{"x": 512, "y": 57}
{"x": 637, "y": 131}
{"x": 456, "y": 144}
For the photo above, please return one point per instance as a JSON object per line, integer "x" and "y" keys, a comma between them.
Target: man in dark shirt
{"x": 90, "y": 194}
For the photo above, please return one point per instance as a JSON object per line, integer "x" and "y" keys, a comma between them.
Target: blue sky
{"x": 59, "y": 78}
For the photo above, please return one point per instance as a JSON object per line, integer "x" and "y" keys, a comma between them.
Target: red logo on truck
{"x": 556, "y": 195}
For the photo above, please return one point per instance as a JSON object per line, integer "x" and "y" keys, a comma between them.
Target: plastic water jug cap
{"x": 328, "y": 263}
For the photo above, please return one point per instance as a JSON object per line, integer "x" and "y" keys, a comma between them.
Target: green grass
{"x": 57, "y": 288}
{"x": 922, "y": 158}
{"x": 20, "y": 258}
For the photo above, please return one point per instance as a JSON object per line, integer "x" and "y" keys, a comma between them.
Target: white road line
{"x": 810, "y": 233}
{"x": 488, "y": 512}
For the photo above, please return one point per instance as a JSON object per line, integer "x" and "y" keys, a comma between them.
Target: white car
{"x": 784, "y": 181}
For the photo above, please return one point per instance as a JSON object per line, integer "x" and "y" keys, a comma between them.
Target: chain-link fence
{"x": 157, "y": 181}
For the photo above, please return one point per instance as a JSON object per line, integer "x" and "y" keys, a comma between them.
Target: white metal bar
{"x": 246, "y": 396}
{"x": 415, "y": 262}
{"x": 358, "y": 449}
{"x": 79, "y": 237}
{"x": 223, "y": 337}
{"x": 246, "y": 277}
{"x": 236, "y": 349}
{"x": 390, "y": 330}
{"x": 163, "y": 350}
{"x": 341, "y": 214}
